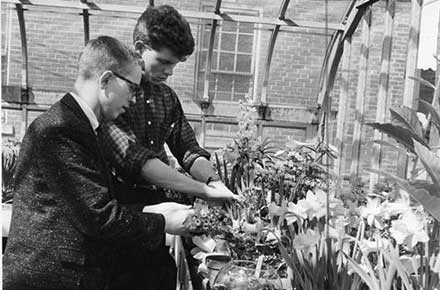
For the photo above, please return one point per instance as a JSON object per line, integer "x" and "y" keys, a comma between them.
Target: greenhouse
{"x": 209, "y": 144}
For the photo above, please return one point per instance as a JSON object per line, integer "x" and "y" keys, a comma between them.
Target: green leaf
{"x": 389, "y": 144}
{"x": 407, "y": 118}
{"x": 423, "y": 82}
{"x": 427, "y": 107}
{"x": 429, "y": 187}
{"x": 402, "y": 135}
{"x": 217, "y": 163}
{"x": 431, "y": 203}
{"x": 364, "y": 275}
{"x": 430, "y": 161}
{"x": 225, "y": 173}
{"x": 291, "y": 262}
{"x": 400, "y": 269}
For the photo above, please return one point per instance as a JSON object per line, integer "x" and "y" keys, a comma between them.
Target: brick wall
{"x": 56, "y": 37}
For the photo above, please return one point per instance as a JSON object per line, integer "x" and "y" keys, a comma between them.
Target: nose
{"x": 169, "y": 69}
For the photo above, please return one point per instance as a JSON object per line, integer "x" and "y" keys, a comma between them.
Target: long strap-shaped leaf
{"x": 430, "y": 161}
{"x": 407, "y": 117}
{"x": 402, "y": 135}
{"x": 430, "y": 202}
{"x": 363, "y": 274}
{"x": 435, "y": 116}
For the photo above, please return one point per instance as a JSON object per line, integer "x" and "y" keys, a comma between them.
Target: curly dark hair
{"x": 162, "y": 26}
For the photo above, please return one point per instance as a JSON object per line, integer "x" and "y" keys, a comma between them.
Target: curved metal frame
{"x": 270, "y": 49}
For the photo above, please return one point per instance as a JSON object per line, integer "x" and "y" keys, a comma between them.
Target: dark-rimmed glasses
{"x": 134, "y": 88}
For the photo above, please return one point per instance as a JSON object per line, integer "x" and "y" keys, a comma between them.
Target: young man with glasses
{"x": 135, "y": 142}
{"x": 67, "y": 226}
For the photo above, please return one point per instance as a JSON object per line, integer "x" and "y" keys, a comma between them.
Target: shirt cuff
{"x": 136, "y": 158}
{"x": 191, "y": 156}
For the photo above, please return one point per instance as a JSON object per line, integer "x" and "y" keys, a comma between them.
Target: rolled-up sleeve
{"x": 182, "y": 141}
{"x": 72, "y": 171}
{"x": 123, "y": 150}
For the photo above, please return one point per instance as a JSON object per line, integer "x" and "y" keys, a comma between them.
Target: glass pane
{"x": 214, "y": 63}
{"x": 241, "y": 84}
{"x": 205, "y": 41}
{"x": 223, "y": 96}
{"x": 224, "y": 82}
{"x": 226, "y": 62}
{"x": 228, "y": 42}
{"x": 244, "y": 63}
{"x": 200, "y": 77}
{"x": 212, "y": 82}
{"x": 245, "y": 43}
{"x": 229, "y": 26}
{"x": 246, "y": 27}
{"x": 202, "y": 62}
{"x": 212, "y": 94}
{"x": 203, "y": 58}
{"x": 238, "y": 97}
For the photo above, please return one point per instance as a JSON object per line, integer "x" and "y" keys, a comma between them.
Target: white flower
{"x": 304, "y": 241}
{"x": 314, "y": 205}
{"x": 395, "y": 208}
{"x": 409, "y": 229}
{"x": 372, "y": 212}
{"x": 368, "y": 246}
{"x": 294, "y": 212}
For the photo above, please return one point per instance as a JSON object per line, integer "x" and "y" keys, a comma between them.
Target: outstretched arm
{"x": 74, "y": 170}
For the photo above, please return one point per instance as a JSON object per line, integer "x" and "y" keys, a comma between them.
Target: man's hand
{"x": 175, "y": 215}
{"x": 217, "y": 193}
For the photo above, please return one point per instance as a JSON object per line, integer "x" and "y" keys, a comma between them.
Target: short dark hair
{"x": 105, "y": 53}
{"x": 163, "y": 26}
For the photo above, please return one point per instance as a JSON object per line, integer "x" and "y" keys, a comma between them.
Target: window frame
{"x": 217, "y": 51}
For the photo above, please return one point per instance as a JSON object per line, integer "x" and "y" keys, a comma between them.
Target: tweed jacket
{"x": 66, "y": 225}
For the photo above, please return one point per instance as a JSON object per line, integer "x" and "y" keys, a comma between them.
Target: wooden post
{"x": 342, "y": 108}
{"x": 361, "y": 95}
{"x": 383, "y": 95}
{"x": 410, "y": 95}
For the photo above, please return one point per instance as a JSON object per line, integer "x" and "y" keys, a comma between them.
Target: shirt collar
{"x": 87, "y": 111}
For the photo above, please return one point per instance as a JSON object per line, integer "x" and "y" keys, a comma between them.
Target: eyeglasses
{"x": 134, "y": 88}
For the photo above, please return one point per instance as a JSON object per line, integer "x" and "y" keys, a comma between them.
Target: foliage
{"x": 324, "y": 239}
{"x": 414, "y": 234}
{"x": 10, "y": 149}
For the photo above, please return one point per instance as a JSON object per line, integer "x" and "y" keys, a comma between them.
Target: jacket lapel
{"x": 71, "y": 103}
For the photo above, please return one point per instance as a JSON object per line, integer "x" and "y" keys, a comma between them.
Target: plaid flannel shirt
{"x": 140, "y": 133}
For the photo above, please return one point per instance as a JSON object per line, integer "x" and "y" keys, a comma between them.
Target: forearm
{"x": 160, "y": 174}
{"x": 202, "y": 169}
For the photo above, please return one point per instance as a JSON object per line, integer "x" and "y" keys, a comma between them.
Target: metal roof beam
{"x": 185, "y": 13}
{"x": 86, "y": 23}
{"x": 24, "y": 53}
{"x": 270, "y": 49}
{"x": 208, "y": 66}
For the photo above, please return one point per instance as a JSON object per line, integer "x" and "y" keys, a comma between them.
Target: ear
{"x": 140, "y": 47}
{"x": 104, "y": 79}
